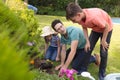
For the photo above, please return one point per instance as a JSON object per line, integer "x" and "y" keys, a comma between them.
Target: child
{"x": 52, "y": 51}
{"x": 100, "y": 23}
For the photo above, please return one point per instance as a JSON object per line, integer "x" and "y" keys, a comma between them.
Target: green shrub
{"x": 13, "y": 25}
{"x": 27, "y": 16}
{"x": 12, "y": 65}
{"x": 13, "y": 48}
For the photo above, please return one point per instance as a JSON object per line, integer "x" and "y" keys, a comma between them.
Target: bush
{"x": 13, "y": 48}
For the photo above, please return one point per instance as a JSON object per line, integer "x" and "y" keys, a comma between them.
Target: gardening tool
{"x": 112, "y": 76}
{"x": 88, "y": 75}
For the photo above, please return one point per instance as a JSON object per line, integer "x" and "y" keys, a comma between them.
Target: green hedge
{"x": 13, "y": 49}
{"x": 53, "y": 7}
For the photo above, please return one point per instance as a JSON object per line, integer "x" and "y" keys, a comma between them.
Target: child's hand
{"x": 57, "y": 59}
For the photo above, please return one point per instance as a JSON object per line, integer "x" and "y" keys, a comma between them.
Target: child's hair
{"x": 46, "y": 40}
{"x": 55, "y": 22}
{"x": 72, "y": 9}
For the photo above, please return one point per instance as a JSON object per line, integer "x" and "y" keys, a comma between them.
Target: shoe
{"x": 101, "y": 77}
{"x": 97, "y": 57}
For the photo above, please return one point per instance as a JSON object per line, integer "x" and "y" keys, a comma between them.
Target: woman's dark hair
{"x": 46, "y": 40}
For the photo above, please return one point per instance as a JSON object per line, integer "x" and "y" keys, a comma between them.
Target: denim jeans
{"x": 79, "y": 61}
{"x": 94, "y": 36}
{"x": 51, "y": 53}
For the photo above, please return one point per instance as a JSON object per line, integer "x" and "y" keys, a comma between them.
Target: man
{"x": 75, "y": 54}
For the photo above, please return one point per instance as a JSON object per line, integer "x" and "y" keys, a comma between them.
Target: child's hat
{"x": 47, "y": 31}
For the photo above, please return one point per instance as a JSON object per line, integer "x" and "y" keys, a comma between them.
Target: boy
{"x": 100, "y": 23}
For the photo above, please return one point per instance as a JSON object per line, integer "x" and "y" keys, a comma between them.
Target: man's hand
{"x": 58, "y": 67}
{"x": 105, "y": 45}
{"x": 87, "y": 47}
{"x": 62, "y": 68}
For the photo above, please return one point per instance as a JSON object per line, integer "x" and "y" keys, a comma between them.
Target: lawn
{"x": 114, "y": 49}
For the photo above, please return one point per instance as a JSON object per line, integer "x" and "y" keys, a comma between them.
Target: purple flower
{"x": 62, "y": 73}
{"x": 69, "y": 73}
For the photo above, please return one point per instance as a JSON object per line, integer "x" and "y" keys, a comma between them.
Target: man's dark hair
{"x": 54, "y": 23}
{"x": 72, "y": 9}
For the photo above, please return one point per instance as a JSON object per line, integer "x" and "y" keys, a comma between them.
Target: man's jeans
{"x": 79, "y": 61}
{"x": 94, "y": 36}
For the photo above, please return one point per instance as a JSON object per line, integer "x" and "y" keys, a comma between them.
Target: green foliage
{"x": 45, "y": 10}
{"x": 44, "y": 76}
{"x": 13, "y": 26}
{"x": 12, "y": 65}
{"x": 60, "y": 4}
{"x": 50, "y": 7}
{"x": 13, "y": 38}
{"x": 111, "y": 6}
{"x": 26, "y": 15}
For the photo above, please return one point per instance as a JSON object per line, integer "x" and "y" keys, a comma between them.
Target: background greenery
{"x": 57, "y": 7}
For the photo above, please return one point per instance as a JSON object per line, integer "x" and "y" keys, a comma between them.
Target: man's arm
{"x": 105, "y": 45}
{"x": 71, "y": 55}
{"x": 63, "y": 54}
{"x": 87, "y": 46}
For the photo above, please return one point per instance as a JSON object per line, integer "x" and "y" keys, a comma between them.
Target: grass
{"x": 114, "y": 50}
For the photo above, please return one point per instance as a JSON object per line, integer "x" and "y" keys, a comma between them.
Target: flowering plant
{"x": 69, "y": 73}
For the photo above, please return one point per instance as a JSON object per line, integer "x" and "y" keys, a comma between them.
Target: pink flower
{"x": 69, "y": 73}
{"x": 62, "y": 73}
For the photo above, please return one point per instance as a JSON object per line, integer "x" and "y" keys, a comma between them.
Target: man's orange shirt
{"x": 96, "y": 19}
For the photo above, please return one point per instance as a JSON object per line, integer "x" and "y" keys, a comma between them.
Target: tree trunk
{"x": 4, "y": 1}
{"x": 76, "y": 1}
{"x": 26, "y": 1}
